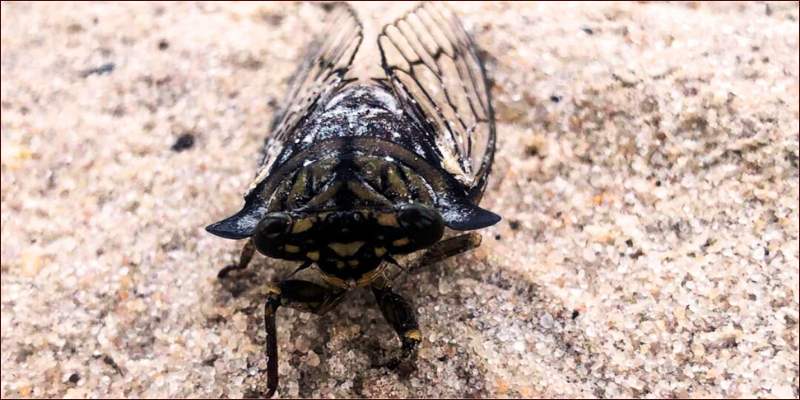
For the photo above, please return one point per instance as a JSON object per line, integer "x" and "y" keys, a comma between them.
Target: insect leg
{"x": 446, "y": 249}
{"x": 400, "y": 314}
{"x": 300, "y": 295}
{"x": 245, "y": 257}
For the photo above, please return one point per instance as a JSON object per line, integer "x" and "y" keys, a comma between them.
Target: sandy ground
{"x": 647, "y": 174}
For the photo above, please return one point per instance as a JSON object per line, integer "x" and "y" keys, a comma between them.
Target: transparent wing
{"x": 320, "y": 73}
{"x": 435, "y": 70}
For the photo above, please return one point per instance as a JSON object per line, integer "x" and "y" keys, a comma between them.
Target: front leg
{"x": 300, "y": 295}
{"x": 447, "y": 248}
{"x": 245, "y": 257}
{"x": 399, "y": 313}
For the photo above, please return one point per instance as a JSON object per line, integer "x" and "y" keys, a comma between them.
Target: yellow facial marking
{"x": 346, "y": 249}
{"x": 340, "y": 264}
{"x": 400, "y": 242}
{"x": 380, "y": 251}
{"x": 387, "y": 219}
{"x": 302, "y": 225}
{"x": 313, "y": 255}
{"x": 353, "y": 263}
{"x": 290, "y": 248}
{"x": 413, "y": 335}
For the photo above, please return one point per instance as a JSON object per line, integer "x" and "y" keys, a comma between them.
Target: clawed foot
{"x": 224, "y": 272}
{"x": 244, "y": 259}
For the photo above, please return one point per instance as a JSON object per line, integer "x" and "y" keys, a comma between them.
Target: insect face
{"x": 348, "y": 243}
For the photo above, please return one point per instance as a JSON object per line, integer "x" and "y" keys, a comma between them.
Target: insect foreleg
{"x": 244, "y": 259}
{"x": 399, "y": 313}
{"x": 300, "y": 295}
{"x": 447, "y": 248}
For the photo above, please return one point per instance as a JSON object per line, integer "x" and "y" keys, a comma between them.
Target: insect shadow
{"x": 357, "y": 326}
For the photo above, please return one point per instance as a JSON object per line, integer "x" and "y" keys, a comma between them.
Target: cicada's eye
{"x": 270, "y": 233}
{"x": 423, "y": 225}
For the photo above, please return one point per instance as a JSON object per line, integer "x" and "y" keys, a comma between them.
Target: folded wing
{"x": 434, "y": 68}
{"x": 321, "y": 72}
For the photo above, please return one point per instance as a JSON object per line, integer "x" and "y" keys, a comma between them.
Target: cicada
{"x": 372, "y": 158}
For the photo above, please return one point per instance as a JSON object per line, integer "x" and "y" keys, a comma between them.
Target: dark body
{"x": 358, "y": 170}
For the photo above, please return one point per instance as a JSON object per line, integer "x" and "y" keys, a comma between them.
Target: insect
{"x": 372, "y": 158}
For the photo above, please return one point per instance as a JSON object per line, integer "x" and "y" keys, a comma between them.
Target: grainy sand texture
{"x": 647, "y": 174}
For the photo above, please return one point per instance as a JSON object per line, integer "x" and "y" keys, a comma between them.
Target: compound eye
{"x": 423, "y": 225}
{"x": 270, "y": 233}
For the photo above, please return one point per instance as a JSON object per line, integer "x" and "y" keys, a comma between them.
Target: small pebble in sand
{"x": 313, "y": 359}
{"x": 13, "y": 156}
{"x": 31, "y": 260}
